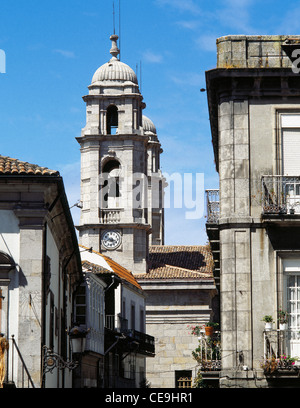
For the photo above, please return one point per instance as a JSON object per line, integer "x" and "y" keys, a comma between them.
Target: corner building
{"x": 254, "y": 108}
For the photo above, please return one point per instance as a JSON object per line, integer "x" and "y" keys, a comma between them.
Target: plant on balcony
{"x": 283, "y": 317}
{"x": 272, "y": 364}
{"x": 208, "y": 353}
{"x": 196, "y": 330}
{"x": 287, "y": 362}
{"x": 268, "y": 319}
{"x": 210, "y": 327}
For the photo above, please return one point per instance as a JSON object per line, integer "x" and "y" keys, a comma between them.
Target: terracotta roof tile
{"x": 119, "y": 270}
{"x": 179, "y": 262}
{"x": 9, "y": 166}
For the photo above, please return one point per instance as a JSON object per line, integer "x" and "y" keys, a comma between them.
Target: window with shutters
{"x": 290, "y": 165}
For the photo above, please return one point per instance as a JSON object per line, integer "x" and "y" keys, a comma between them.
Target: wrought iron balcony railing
{"x": 281, "y": 351}
{"x": 281, "y": 194}
{"x": 208, "y": 352}
{"x": 212, "y": 206}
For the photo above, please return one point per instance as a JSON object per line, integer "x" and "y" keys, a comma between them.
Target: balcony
{"x": 208, "y": 352}
{"x": 280, "y": 195}
{"x": 212, "y": 228}
{"x": 212, "y": 206}
{"x": 281, "y": 350}
{"x": 143, "y": 343}
{"x": 110, "y": 216}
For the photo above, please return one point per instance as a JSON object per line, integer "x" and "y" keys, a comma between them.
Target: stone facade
{"x": 120, "y": 167}
{"x": 180, "y": 292}
{"x": 250, "y": 93}
{"x": 37, "y": 237}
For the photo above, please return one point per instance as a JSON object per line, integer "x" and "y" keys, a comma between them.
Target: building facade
{"x": 254, "y": 106}
{"x": 117, "y": 344}
{"x": 39, "y": 270}
{"x": 181, "y": 293}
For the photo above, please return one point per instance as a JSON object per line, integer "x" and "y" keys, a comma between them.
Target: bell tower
{"x": 115, "y": 149}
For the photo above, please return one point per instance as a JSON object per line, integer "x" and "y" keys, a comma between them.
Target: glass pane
{"x": 292, "y": 294}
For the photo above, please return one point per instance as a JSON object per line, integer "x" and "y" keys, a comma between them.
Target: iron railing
{"x": 281, "y": 194}
{"x": 281, "y": 348}
{"x": 208, "y": 352}
{"x": 212, "y": 206}
{"x": 17, "y": 373}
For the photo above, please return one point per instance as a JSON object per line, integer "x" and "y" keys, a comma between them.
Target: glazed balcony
{"x": 280, "y": 195}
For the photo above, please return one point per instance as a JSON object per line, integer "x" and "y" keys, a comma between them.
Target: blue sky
{"x": 54, "y": 47}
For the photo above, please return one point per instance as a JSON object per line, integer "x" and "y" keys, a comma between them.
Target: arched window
{"x": 111, "y": 186}
{"x": 112, "y": 120}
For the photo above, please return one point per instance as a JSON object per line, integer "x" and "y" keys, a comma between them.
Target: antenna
{"x": 120, "y": 29}
{"x": 141, "y": 75}
{"x": 114, "y": 24}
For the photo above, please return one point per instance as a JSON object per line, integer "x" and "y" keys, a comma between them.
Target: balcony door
{"x": 291, "y": 160}
{"x": 292, "y": 304}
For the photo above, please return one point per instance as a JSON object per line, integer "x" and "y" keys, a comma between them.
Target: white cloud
{"x": 152, "y": 57}
{"x": 191, "y": 79}
{"x": 190, "y": 25}
{"x": 181, "y": 5}
{"x": 65, "y": 53}
{"x": 207, "y": 42}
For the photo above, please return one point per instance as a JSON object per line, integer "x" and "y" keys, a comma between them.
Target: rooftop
{"x": 9, "y": 166}
{"x": 98, "y": 263}
{"x": 256, "y": 51}
{"x": 179, "y": 262}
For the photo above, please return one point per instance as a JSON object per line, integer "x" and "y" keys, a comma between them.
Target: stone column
{"x": 29, "y": 336}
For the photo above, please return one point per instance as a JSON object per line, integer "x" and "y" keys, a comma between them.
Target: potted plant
{"x": 209, "y": 328}
{"x": 283, "y": 317}
{"x": 268, "y": 319}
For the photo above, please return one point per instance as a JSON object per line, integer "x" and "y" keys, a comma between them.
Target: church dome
{"x": 114, "y": 70}
{"x": 148, "y": 126}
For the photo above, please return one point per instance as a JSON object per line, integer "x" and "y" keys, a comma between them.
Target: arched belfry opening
{"x": 111, "y": 186}
{"x": 112, "y": 120}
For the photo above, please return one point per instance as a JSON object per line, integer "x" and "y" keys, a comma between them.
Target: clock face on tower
{"x": 111, "y": 239}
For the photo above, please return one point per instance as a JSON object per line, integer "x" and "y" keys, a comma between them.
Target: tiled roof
{"x": 111, "y": 267}
{"x": 179, "y": 262}
{"x": 9, "y": 166}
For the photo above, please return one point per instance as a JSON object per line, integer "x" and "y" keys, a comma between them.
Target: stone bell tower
{"x": 115, "y": 179}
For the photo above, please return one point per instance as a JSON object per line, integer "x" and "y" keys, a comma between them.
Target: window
{"x": 292, "y": 303}
{"x": 142, "y": 321}
{"x": 112, "y": 120}
{"x": 111, "y": 185}
{"x": 132, "y": 316}
{"x": 80, "y": 308}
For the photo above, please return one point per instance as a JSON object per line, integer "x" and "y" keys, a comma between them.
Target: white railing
{"x": 110, "y": 216}
{"x": 208, "y": 352}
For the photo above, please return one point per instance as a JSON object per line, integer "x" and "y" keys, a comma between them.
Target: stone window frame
{"x": 278, "y": 111}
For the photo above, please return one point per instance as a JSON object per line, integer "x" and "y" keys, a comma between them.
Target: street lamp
{"x": 78, "y": 339}
{"x": 52, "y": 360}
